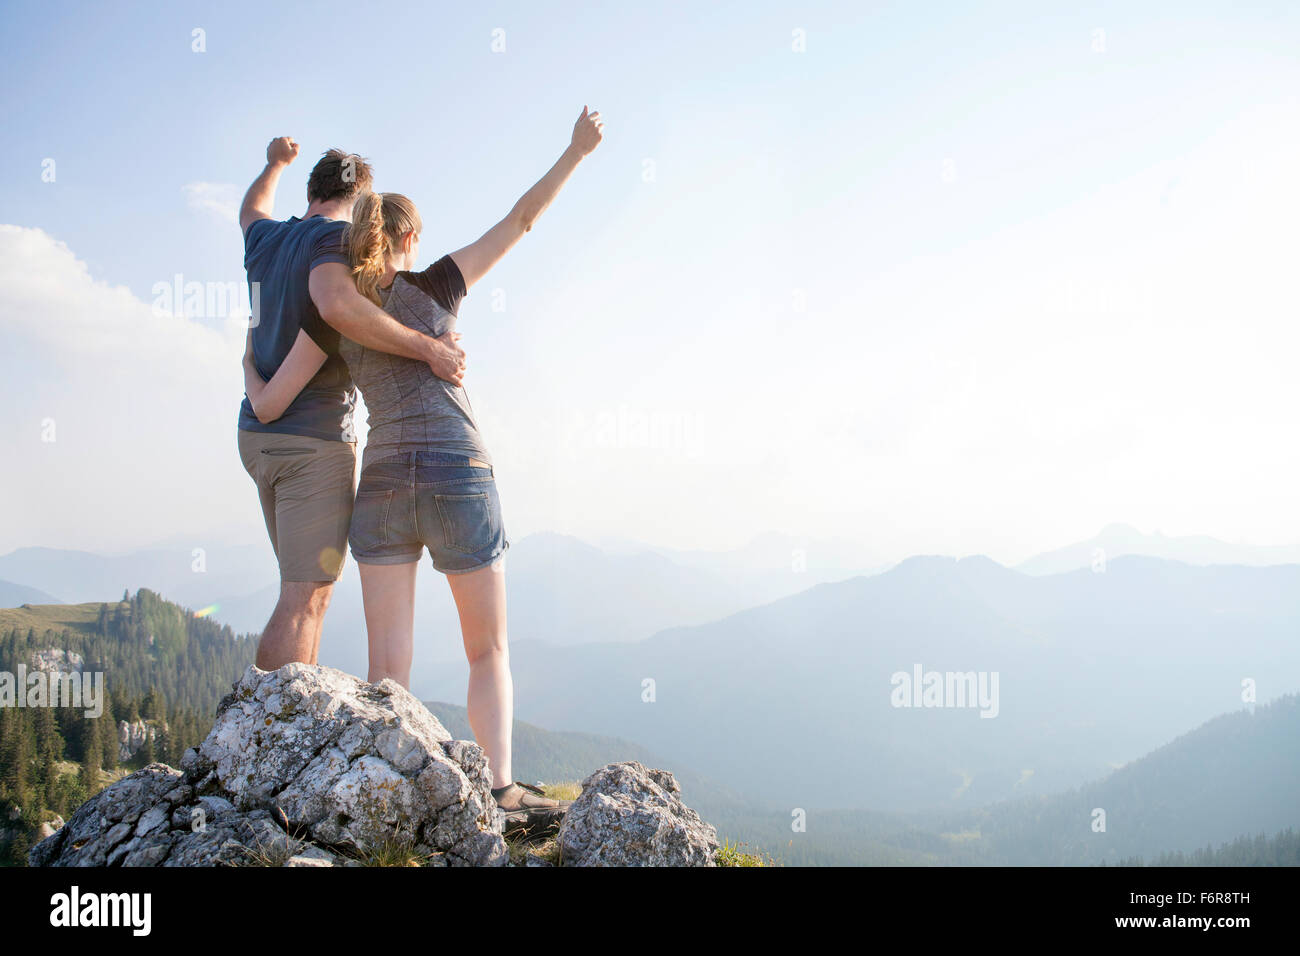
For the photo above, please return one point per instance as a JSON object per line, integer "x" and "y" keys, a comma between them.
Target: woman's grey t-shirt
{"x": 410, "y": 408}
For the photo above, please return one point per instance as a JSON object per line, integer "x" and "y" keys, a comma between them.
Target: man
{"x": 304, "y": 462}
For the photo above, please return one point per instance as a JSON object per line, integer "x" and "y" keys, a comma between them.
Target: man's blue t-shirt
{"x": 279, "y": 256}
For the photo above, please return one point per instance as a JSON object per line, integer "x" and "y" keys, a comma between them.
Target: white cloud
{"x": 219, "y": 199}
{"x": 141, "y": 407}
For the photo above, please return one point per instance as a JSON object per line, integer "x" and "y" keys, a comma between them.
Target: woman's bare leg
{"x": 481, "y": 600}
{"x": 388, "y": 593}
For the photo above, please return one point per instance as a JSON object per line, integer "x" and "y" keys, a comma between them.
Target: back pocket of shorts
{"x": 369, "y": 528}
{"x": 466, "y": 522}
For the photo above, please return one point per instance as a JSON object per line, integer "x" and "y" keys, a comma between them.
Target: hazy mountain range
{"x": 1094, "y": 670}
{"x": 1237, "y": 775}
{"x": 13, "y": 595}
{"x": 562, "y": 590}
{"x": 699, "y": 657}
{"x": 791, "y": 705}
{"x": 188, "y": 574}
{"x": 1118, "y": 540}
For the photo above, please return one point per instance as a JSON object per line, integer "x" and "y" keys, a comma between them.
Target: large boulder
{"x": 629, "y": 815}
{"x": 302, "y": 763}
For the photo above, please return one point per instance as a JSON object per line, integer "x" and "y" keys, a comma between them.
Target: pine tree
{"x": 109, "y": 739}
{"x": 19, "y": 847}
{"x": 46, "y": 733}
{"x": 17, "y": 758}
{"x": 49, "y": 779}
{"x": 91, "y": 765}
{"x": 154, "y": 707}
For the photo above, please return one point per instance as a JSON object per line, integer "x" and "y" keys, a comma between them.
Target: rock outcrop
{"x": 152, "y": 818}
{"x": 56, "y": 660}
{"x": 308, "y": 766}
{"x": 303, "y": 765}
{"x": 132, "y": 736}
{"x": 628, "y": 815}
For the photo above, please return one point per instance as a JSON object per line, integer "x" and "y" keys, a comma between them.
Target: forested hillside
{"x": 1280, "y": 850}
{"x": 164, "y": 671}
{"x": 1234, "y": 775}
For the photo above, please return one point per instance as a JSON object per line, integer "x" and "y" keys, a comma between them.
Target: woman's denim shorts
{"x": 425, "y": 499}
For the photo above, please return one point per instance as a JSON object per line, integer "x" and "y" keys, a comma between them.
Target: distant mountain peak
{"x": 948, "y": 563}
{"x": 1118, "y": 539}
{"x": 1120, "y": 529}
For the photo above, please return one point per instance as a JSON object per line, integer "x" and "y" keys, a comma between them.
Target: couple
{"x": 343, "y": 300}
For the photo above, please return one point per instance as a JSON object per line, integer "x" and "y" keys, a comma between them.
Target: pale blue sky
{"x": 957, "y": 278}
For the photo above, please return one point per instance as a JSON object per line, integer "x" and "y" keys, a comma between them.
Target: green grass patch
{"x": 55, "y": 617}
{"x": 562, "y": 791}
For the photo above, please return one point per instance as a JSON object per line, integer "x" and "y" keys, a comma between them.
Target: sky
{"x": 941, "y": 278}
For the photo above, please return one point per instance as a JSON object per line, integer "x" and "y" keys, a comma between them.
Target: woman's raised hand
{"x": 586, "y": 131}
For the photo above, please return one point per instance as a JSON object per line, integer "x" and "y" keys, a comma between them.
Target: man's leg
{"x": 306, "y": 488}
{"x": 293, "y": 633}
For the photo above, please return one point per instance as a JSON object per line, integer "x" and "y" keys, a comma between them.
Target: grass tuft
{"x": 733, "y": 854}
{"x": 393, "y": 852}
{"x": 277, "y": 854}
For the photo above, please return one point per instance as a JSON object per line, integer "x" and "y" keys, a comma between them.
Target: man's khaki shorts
{"x": 306, "y": 487}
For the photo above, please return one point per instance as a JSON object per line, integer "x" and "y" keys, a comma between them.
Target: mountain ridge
{"x": 1118, "y": 539}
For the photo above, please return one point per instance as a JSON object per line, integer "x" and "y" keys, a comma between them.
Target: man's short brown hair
{"x": 338, "y": 175}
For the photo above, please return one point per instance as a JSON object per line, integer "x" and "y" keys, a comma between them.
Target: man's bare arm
{"x": 350, "y": 313}
{"x": 259, "y": 201}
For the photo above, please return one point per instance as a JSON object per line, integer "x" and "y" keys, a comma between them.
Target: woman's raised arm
{"x": 478, "y": 257}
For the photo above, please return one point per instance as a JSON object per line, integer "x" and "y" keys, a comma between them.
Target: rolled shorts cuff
{"x": 478, "y": 567}
{"x": 404, "y": 558}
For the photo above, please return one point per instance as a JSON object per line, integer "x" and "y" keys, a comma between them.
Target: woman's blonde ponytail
{"x": 379, "y": 222}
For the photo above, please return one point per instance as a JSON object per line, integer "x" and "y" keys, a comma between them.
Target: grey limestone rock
{"x": 630, "y": 815}
{"x": 300, "y": 756}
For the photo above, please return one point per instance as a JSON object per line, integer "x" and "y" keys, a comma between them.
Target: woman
{"x": 427, "y": 479}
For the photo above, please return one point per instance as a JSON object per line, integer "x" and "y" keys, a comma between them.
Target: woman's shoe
{"x": 527, "y": 808}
